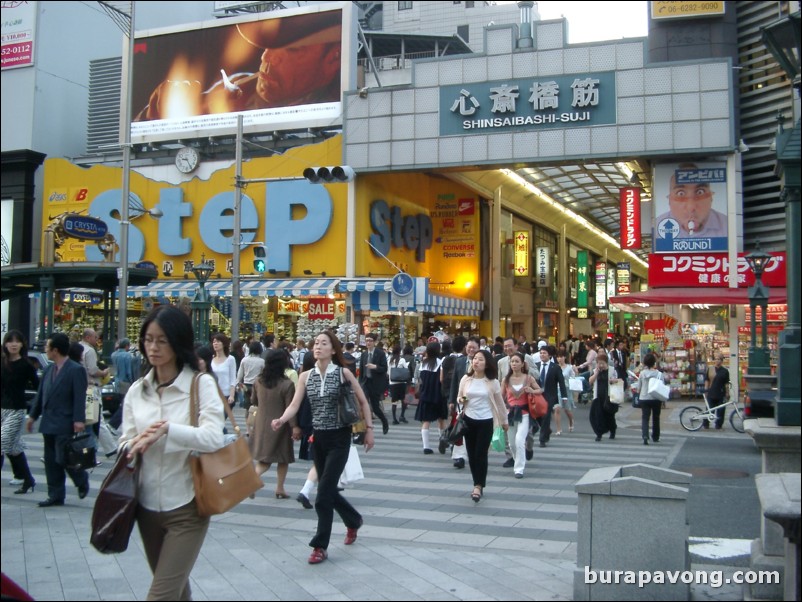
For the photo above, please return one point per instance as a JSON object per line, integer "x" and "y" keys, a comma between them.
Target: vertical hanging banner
{"x": 521, "y": 253}
{"x": 601, "y": 284}
{"x": 611, "y": 277}
{"x": 624, "y": 277}
{"x": 543, "y": 267}
{"x": 582, "y": 279}
{"x": 630, "y": 218}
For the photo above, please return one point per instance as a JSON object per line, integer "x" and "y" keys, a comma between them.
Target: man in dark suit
{"x": 61, "y": 402}
{"x": 373, "y": 376}
{"x": 621, "y": 360}
{"x": 551, "y": 379}
{"x": 461, "y": 366}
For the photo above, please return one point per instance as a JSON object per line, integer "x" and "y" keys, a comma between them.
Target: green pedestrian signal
{"x": 260, "y": 259}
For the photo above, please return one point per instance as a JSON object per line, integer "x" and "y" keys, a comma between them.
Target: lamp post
{"x": 758, "y": 363}
{"x": 201, "y": 304}
{"x": 782, "y": 38}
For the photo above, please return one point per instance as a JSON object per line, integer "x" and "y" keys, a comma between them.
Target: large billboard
{"x": 281, "y": 73}
{"x": 690, "y": 203}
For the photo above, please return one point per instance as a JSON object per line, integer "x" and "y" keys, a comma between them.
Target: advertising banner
{"x": 582, "y": 279}
{"x": 521, "y": 267}
{"x": 624, "y": 277}
{"x": 544, "y": 267}
{"x": 630, "y": 218}
{"x": 711, "y": 270}
{"x": 280, "y": 72}
{"x": 19, "y": 34}
{"x": 601, "y": 284}
{"x": 690, "y": 203}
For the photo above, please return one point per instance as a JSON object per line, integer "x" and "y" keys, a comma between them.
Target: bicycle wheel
{"x": 737, "y": 421}
{"x": 692, "y": 418}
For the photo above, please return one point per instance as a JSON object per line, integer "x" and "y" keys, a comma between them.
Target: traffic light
{"x": 335, "y": 174}
{"x": 260, "y": 259}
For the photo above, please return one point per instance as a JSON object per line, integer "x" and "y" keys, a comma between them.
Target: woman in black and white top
{"x": 331, "y": 438}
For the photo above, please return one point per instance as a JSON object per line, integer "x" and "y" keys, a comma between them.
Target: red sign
{"x": 710, "y": 270}
{"x": 321, "y": 308}
{"x": 630, "y": 218}
{"x": 774, "y": 313}
{"x": 655, "y": 327}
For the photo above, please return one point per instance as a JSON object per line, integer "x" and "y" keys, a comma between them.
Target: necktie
{"x": 543, "y": 374}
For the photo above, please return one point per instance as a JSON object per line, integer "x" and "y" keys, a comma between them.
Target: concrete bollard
{"x": 633, "y": 520}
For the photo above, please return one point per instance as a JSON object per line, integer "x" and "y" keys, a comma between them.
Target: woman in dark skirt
{"x": 602, "y": 412}
{"x": 431, "y": 403}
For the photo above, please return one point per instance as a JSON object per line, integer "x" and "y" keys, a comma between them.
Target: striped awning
{"x": 436, "y": 304}
{"x": 351, "y": 285}
{"x": 290, "y": 287}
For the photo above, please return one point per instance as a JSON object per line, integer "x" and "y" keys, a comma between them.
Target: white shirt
{"x": 165, "y": 479}
{"x": 484, "y": 399}
{"x": 249, "y": 369}
{"x": 226, "y": 374}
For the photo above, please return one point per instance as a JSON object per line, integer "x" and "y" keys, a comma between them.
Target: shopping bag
{"x": 617, "y": 392}
{"x": 659, "y": 390}
{"x": 93, "y": 401}
{"x": 497, "y": 443}
{"x": 576, "y": 383}
{"x": 353, "y": 469}
{"x": 114, "y": 514}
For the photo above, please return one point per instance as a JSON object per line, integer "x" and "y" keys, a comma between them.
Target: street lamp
{"x": 758, "y": 363}
{"x": 201, "y": 305}
{"x": 782, "y": 38}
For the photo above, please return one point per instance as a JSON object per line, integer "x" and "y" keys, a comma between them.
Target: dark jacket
{"x": 554, "y": 380}
{"x": 61, "y": 401}
{"x": 460, "y": 370}
{"x": 379, "y": 380}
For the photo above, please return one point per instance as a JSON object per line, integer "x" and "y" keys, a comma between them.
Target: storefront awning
{"x": 291, "y": 287}
{"x": 365, "y": 285}
{"x": 436, "y": 304}
{"x": 698, "y": 296}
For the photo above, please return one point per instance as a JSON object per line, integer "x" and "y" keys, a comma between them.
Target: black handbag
{"x": 610, "y": 407}
{"x": 114, "y": 514}
{"x": 347, "y": 406}
{"x": 80, "y": 451}
{"x": 458, "y": 429}
{"x": 399, "y": 374}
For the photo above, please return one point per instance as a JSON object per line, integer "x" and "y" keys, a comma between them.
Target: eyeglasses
{"x": 155, "y": 342}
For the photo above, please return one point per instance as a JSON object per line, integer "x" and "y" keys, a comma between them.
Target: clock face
{"x": 186, "y": 160}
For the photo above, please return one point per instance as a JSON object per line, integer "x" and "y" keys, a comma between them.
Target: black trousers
{"x": 545, "y": 423}
{"x": 650, "y": 408}
{"x": 56, "y": 472}
{"x": 477, "y": 443}
{"x": 331, "y": 453}
{"x": 375, "y": 399}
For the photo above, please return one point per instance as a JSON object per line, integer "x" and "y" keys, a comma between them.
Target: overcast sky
{"x": 593, "y": 21}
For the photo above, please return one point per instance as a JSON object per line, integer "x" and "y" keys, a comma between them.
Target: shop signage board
{"x": 711, "y": 270}
{"x": 601, "y": 284}
{"x": 630, "y": 218}
{"x": 670, "y": 9}
{"x": 521, "y": 244}
{"x": 19, "y": 34}
{"x": 624, "y": 277}
{"x": 321, "y": 308}
{"x": 611, "y": 275}
{"x": 544, "y": 279}
{"x": 582, "y": 279}
{"x": 548, "y": 102}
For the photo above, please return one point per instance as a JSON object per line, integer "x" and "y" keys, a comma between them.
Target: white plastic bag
{"x": 353, "y": 469}
{"x": 657, "y": 389}
{"x": 617, "y": 392}
{"x": 576, "y": 383}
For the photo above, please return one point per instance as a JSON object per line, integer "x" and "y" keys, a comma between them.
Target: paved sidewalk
{"x": 424, "y": 539}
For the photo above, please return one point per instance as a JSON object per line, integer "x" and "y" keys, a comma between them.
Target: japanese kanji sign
{"x": 582, "y": 279}
{"x": 543, "y": 267}
{"x": 710, "y": 270}
{"x": 630, "y": 218}
{"x": 583, "y": 99}
{"x": 521, "y": 242}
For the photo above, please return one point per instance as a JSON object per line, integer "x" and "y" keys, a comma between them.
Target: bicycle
{"x": 693, "y": 418}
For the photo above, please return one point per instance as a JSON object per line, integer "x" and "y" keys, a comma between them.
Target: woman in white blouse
{"x": 157, "y": 425}
{"x": 480, "y": 395}
{"x": 224, "y": 367}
